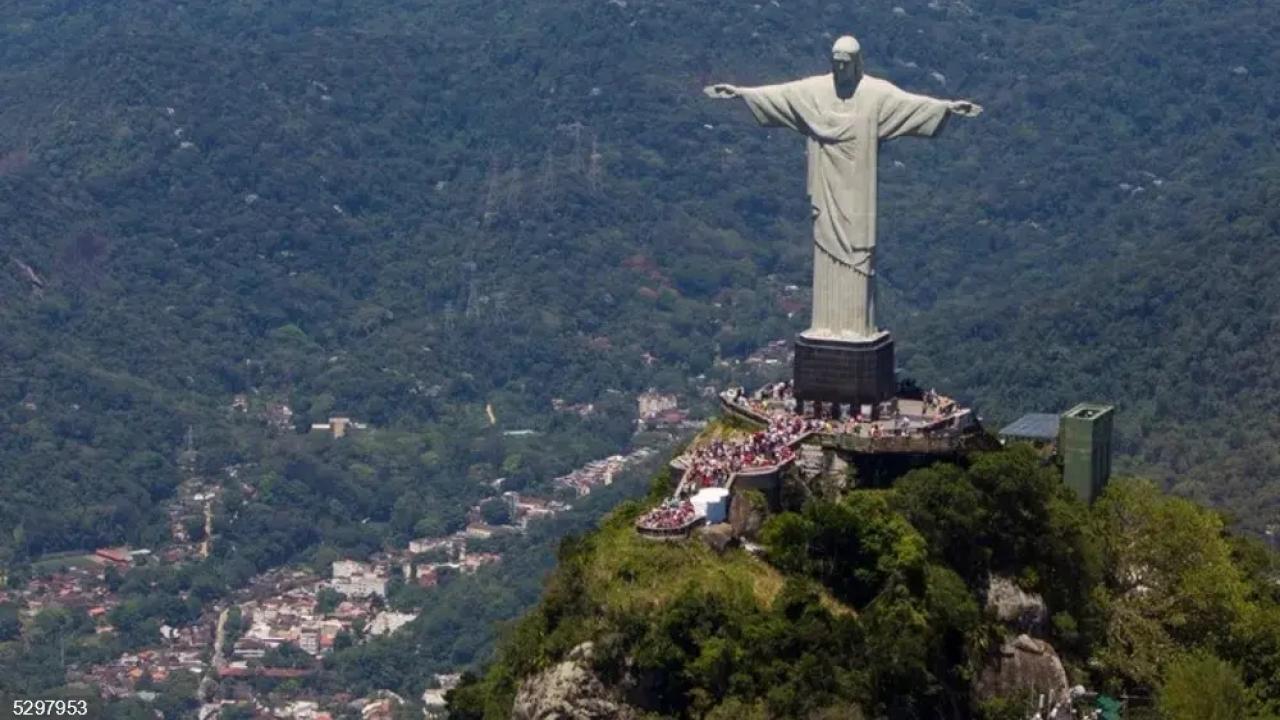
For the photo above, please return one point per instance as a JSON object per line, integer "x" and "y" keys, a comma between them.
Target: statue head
{"x": 846, "y": 61}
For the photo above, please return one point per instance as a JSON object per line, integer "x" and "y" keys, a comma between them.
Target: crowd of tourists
{"x": 936, "y": 405}
{"x": 672, "y": 514}
{"x": 766, "y": 401}
{"x": 713, "y": 463}
{"x": 861, "y": 427}
{"x": 777, "y": 400}
{"x": 781, "y": 390}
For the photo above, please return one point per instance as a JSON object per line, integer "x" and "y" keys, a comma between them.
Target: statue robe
{"x": 843, "y": 139}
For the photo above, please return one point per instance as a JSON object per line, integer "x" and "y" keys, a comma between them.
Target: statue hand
{"x": 720, "y": 91}
{"x": 965, "y": 108}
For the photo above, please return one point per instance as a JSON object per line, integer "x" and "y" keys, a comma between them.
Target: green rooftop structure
{"x": 1084, "y": 443}
{"x": 1109, "y": 708}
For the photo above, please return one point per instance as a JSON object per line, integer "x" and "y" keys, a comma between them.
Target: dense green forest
{"x": 871, "y": 605}
{"x": 406, "y": 211}
{"x": 403, "y": 210}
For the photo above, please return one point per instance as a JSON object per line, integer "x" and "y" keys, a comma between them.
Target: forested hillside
{"x": 880, "y": 604}
{"x": 406, "y": 211}
{"x": 348, "y": 202}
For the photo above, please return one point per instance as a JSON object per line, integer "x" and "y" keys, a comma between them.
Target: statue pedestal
{"x": 857, "y": 372}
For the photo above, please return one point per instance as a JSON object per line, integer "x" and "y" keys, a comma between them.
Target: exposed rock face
{"x": 747, "y": 514}
{"x": 1024, "y": 666}
{"x": 824, "y": 472}
{"x": 1013, "y": 606}
{"x": 818, "y": 473}
{"x": 569, "y": 690}
{"x": 718, "y": 537}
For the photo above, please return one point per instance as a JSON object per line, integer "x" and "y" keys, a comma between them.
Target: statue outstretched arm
{"x": 772, "y": 105}
{"x": 905, "y": 114}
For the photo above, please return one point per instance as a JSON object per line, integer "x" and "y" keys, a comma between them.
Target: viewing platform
{"x": 674, "y": 519}
{"x": 932, "y": 425}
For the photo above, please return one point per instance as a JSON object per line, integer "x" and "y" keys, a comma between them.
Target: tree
{"x": 1201, "y": 686}
{"x": 787, "y": 536}
{"x": 10, "y": 623}
{"x": 233, "y": 627}
{"x": 112, "y": 578}
{"x": 1170, "y": 579}
{"x": 407, "y": 511}
{"x": 897, "y": 627}
{"x": 1017, "y": 488}
{"x": 954, "y": 617}
{"x": 237, "y": 712}
{"x": 194, "y": 527}
{"x": 943, "y": 504}
{"x": 327, "y": 600}
{"x": 287, "y": 655}
{"x": 61, "y": 622}
{"x": 853, "y": 546}
{"x": 342, "y": 641}
{"x": 177, "y": 695}
{"x": 130, "y": 709}
{"x": 495, "y": 512}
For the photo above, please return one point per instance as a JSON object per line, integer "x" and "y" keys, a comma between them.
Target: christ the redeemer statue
{"x": 844, "y": 115}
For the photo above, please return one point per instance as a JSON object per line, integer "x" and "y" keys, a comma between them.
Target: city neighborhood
{"x": 285, "y": 621}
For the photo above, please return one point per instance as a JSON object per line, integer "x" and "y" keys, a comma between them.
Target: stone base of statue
{"x": 852, "y": 372}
